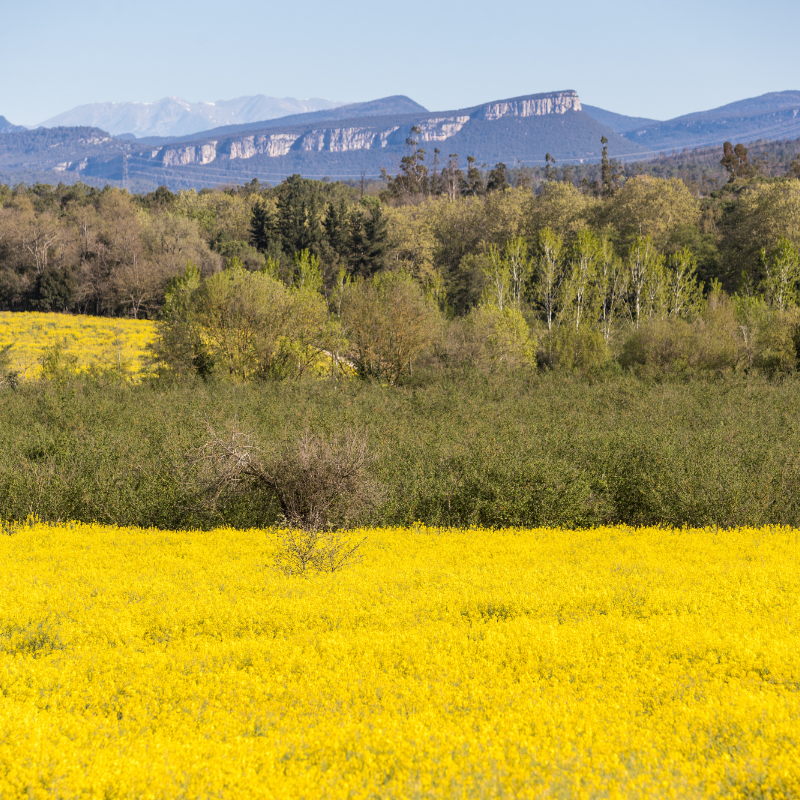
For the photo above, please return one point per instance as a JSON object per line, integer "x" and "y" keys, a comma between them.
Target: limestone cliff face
{"x": 191, "y": 154}
{"x": 441, "y": 128}
{"x": 556, "y": 103}
{"x": 275, "y": 144}
{"x": 343, "y": 139}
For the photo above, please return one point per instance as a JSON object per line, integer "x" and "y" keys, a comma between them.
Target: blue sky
{"x": 646, "y": 59}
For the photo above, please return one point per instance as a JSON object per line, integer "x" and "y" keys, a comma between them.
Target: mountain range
{"x": 172, "y": 116}
{"x": 7, "y": 127}
{"x": 348, "y": 141}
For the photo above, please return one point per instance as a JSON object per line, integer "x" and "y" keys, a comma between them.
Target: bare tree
{"x": 320, "y": 484}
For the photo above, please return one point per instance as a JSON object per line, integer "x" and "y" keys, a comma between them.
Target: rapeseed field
{"x": 610, "y": 662}
{"x": 85, "y": 342}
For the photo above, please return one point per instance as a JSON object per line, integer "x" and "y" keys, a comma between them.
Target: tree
{"x": 757, "y": 218}
{"x": 507, "y": 273}
{"x": 337, "y": 230}
{"x": 299, "y": 215}
{"x": 388, "y": 323}
{"x": 412, "y": 181}
{"x": 645, "y": 279}
{"x": 475, "y": 185}
{"x": 654, "y": 207}
{"x": 498, "y": 178}
{"x": 561, "y": 207}
{"x": 411, "y": 243}
{"x": 263, "y": 226}
{"x": 605, "y": 170}
{"x": 490, "y": 338}
{"x": 320, "y": 484}
{"x": 611, "y": 287}
{"x": 368, "y": 237}
{"x": 684, "y": 293}
{"x": 610, "y": 172}
{"x": 549, "y": 273}
{"x": 781, "y": 274}
{"x": 550, "y": 171}
{"x": 247, "y": 324}
{"x": 453, "y": 178}
{"x": 734, "y": 159}
{"x": 579, "y": 289}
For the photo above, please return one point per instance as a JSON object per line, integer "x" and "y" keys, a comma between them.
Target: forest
{"x": 437, "y": 267}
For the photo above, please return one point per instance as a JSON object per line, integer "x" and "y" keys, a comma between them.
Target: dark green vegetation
{"x": 549, "y": 450}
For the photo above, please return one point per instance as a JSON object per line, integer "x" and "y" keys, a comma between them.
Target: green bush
{"x": 473, "y": 449}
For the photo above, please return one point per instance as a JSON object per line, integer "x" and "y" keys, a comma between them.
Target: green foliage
{"x": 56, "y": 364}
{"x": 499, "y": 450}
{"x": 244, "y": 325}
{"x": 389, "y": 323}
{"x": 781, "y": 274}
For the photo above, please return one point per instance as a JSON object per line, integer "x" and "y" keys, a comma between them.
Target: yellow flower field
{"x": 602, "y": 663}
{"x": 96, "y": 342}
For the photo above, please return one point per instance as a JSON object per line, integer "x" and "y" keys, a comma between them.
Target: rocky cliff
{"x": 364, "y": 134}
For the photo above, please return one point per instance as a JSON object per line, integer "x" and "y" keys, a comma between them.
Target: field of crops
{"x": 610, "y": 662}
{"x": 86, "y": 343}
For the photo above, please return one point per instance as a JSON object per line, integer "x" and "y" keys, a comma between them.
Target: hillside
{"x": 771, "y": 116}
{"x": 621, "y": 123}
{"x": 56, "y": 149}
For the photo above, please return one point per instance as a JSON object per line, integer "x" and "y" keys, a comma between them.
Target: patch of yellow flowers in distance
{"x": 100, "y": 343}
{"x": 612, "y": 662}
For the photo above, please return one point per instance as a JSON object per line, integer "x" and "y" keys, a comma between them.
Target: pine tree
{"x": 498, "y": 178}
{"x": 263, "y": 226}
{"x": 474, "y": 178}
{"x": 606, "y": 181}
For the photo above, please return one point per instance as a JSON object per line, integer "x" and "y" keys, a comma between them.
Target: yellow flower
{"x": 613, "y": 662}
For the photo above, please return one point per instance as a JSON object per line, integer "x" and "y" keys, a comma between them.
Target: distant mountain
{"x": 617, "y": 122}
{"x": 7, "y": 127}
{"x": 753, "y": 106}
{"x": 516, "y": 130}
{"x": 383, "y": 107}
{"x": 771, "y": 116}
{"x": 363, "y": 138}
{"x": 172, "y": 116}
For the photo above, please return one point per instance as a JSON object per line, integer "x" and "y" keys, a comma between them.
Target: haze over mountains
{"x": 347, "y": 141}
{"x": 172, "y": 116}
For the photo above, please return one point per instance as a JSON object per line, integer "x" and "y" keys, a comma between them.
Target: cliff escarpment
{"x": 362, "y": 134}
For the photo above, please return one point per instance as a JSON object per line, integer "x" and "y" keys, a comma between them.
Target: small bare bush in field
{"x": 320, "y": 483}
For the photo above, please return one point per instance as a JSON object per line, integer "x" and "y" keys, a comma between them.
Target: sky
{"x": 639, "y": 58}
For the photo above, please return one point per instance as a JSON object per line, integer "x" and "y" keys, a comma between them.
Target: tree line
{"x": 439, "y": 267}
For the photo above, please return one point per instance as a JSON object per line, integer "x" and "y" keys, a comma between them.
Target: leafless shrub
{"x": 301, "y": 551}
{"x": 321, "y": 484}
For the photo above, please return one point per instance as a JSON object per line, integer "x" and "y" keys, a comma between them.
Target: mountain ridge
{"x": 173, "y": 116}
{"x": 361, "y": 139}
{"x": 382, "y": 107}
{"x": 8, "y": 127}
